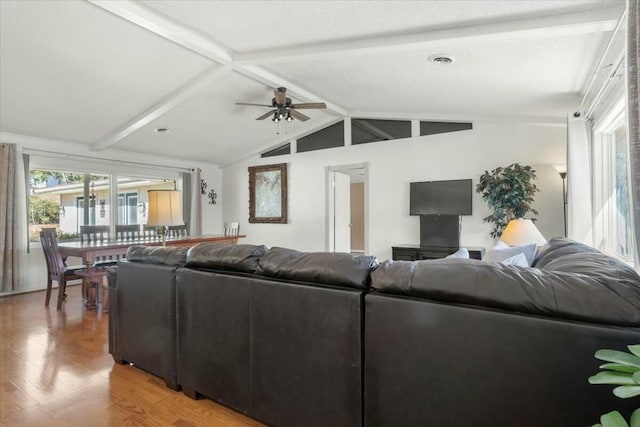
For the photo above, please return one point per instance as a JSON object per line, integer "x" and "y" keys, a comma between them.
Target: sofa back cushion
{"x": 165, "y": 255}
{"x": 226, "y": 257}
{"x": 577, "y": 296}
{"x": 327, "y": 268}
{"x": 562, "y": 254}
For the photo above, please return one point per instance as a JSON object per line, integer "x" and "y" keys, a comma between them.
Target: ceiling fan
{"x": 283, "y": 109}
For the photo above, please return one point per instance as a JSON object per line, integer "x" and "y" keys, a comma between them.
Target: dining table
{"x": 116, "y": 249}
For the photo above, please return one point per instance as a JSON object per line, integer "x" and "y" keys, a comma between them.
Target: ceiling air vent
{"x": 441, "y": 58}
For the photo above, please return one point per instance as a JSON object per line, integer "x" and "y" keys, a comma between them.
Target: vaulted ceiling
{"x": 108, "y": 73}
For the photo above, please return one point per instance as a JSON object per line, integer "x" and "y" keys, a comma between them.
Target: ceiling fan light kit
{"x": 284, "y": 109}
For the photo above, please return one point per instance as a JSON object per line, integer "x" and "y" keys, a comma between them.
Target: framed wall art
{"x": 268, "y": 194}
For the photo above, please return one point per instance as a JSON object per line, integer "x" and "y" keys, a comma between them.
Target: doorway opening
{"x": 347, "y": 208}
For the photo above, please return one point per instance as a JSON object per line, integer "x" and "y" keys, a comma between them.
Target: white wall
{"x": 392, "y": 166}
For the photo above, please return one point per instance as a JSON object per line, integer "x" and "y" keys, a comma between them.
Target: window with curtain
{"x": 57, "y": 199}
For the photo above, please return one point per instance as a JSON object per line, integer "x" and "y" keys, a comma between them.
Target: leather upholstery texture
{"x": 595, "y": 297}
{"x": 284, "y": 353}
{"x": 167, "y": 255}
{"x": 294, "y": 339}
{"x": 336, "y": 269}
{"x": 224, "y": 256}
{"x": 436, "y": 364}
{"x": 142, "y": 318}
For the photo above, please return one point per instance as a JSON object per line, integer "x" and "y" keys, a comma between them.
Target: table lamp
{"x": 164, "y": 210}
{"x": 522, "y": 232}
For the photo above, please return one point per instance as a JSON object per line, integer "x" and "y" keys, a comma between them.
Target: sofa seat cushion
{"x": 327, "y": 268}
{"x": 165, "y": 255}
{"x": 225, "y": 257}
{"x": 561, "y": 294}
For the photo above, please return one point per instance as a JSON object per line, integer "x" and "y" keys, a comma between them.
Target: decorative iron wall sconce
{"x": 142, "y": 207}
{"x": 61, "y": 210}
{"x": 103, "y": 211}
{"x": 212, "y": 197}
{"x": 203, "y": 187}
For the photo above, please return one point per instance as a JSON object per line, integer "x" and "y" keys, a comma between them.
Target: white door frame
{"x": 329, "y": 201}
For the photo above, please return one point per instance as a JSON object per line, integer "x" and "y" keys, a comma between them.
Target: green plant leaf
{"x": 626, "y": 391}
{"x": 619, "y": 367}
{"x": 635, "y": 418}
{"x": 613, "y": 419}
{"x": 611, "y": 377}
{"x": 636, "y": 377}
{"x": 616, "y": 356}
{"x": 635, "y": 349}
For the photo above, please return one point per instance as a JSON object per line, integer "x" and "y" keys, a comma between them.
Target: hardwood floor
{"x": 55, "y": 370}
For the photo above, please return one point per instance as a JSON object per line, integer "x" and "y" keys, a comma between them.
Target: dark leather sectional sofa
{"x": 319, "y": 339}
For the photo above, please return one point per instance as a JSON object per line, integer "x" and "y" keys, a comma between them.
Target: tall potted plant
{"x": 509, "y": 192}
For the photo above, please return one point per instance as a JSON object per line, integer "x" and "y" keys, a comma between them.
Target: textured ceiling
{"x": 108, "y": 73}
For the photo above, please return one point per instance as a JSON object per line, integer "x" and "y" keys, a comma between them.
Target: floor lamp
{"x": 562, "y": 170}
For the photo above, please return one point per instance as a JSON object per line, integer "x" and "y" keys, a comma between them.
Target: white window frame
{"x": 604, "y": 181}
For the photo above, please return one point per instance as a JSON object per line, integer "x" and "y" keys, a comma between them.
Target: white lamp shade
{"x": 164, "y": 208}
{"x": 522, "y": 232}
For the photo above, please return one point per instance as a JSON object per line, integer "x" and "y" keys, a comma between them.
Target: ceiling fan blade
{"x": 309, "y": 105}
{"x": 255, "y": 105}
{"x": 298, "y": 116}
{"x": 265, "y": 115}
{"x": 280, "y": 95}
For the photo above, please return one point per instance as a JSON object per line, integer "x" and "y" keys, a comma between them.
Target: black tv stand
{"x": 440, "y": 231}
{"x": 409, "y": 252}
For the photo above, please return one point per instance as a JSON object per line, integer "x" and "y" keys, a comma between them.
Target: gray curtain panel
{"x": 197, "y": 202}
{"x": 27, "y": 186}
{"x": 8, "y": 220}
{"x": 187, "y": 191}
{"x": 633, "y": 81}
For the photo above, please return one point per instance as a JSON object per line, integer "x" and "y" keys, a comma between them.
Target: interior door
{"x": 341, "y": 212}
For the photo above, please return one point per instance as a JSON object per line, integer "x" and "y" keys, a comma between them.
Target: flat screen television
{"x": 441, "y": 197}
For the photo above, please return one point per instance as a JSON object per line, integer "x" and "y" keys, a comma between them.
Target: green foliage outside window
{"x": 44, "y": 211}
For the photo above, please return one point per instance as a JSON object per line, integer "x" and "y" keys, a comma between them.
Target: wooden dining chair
{"x": 57, "y": 269}
{"x": 128, "y": 232}
{"x": 149, "y": 232}
{"x": 94, "y": 233}
{"x": 231, "y": 228}
{"x": 177, "y": 231}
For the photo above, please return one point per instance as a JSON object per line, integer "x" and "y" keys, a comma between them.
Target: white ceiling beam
{"x": 194, "y": 41}
{"x": 158, "y": 24}
{"x": 584, "y": 22}
{"x": 196, "y": 85}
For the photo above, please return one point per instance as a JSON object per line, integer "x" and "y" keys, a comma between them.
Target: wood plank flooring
{"x": 55, "y": 370}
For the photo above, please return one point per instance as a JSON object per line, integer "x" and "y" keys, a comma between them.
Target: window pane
{"x": 57, "y": 200}
{"x": 622, "y": 220}
{"x": 329, "y": 137}
{"x": 133, "y": 198}
{"x": 280, "y": 151}
{"x": 369, "y": 130}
